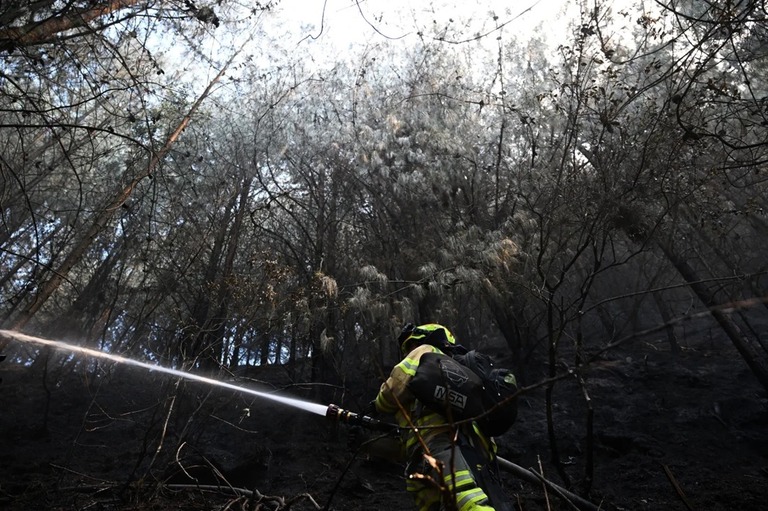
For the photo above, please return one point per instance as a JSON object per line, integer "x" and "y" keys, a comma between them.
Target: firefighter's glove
{"x": 371, "y": 410}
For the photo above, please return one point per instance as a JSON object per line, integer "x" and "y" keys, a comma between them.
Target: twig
{"x": 678, "y": 488}
{"x": 307, "y": 496}
{"x": 589, "y": 467}
{"x": 354, "y": 457}
{"x": 533, "y": 477}
{"x": 178, "y": 462}
{"x": 164, "y": 431}
{"x": 214, "y": 488}
{"x": 543, "y": 486}
{"x": 235, "y": 426}
{"x": 85, "y": 476}
{"x": 256, "y": 495}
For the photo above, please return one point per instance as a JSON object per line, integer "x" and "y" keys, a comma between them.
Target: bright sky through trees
{"x": 322, "y": 33}
{"x": 345, "y": 23}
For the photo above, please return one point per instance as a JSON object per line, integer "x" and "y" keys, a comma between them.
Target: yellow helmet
{"x": 431, "y": 333}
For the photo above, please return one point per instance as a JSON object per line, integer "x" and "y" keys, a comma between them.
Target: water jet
{"x": 63, "y": 346}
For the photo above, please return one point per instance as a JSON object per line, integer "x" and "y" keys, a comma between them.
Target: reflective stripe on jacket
{"x": 394, "y": 397}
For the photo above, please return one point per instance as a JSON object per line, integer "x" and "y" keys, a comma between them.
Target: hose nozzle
{"x": 341, "y": 415}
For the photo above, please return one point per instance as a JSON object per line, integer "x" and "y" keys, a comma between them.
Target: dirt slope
{"x": 668, "y": 433}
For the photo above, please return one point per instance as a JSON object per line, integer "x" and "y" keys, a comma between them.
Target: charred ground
{"x": 670, "y": 432}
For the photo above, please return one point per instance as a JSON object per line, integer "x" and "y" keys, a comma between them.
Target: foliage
{"x": 543, "y": 202}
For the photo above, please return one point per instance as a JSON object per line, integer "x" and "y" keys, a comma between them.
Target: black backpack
{"x": 466, "y": 386}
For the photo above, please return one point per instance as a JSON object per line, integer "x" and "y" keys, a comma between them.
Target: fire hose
{"x": 334, "y": 412}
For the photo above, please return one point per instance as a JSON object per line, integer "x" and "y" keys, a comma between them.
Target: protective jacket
{"x": 462, "y": 452}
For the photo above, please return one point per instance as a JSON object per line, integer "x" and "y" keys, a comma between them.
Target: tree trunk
{"x": 39, "y": 32}
{"x": 506, "y": 324}
{"x": 225, "y": 288}
{"x": 105, "y": 215}
{"x": 755, "y": 362}
{"x": 266, "y": 342}
{"x": 12, "y": 272}
{"x": 237, "y": 347}
{"x": 196, "y": 342}
{"x": 667, "y": 318}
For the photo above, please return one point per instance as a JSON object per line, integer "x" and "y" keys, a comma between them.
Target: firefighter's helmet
{"x": 431, "y": 333}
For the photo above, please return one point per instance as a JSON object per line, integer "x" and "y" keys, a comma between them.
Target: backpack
{"x": 465, "y": 386}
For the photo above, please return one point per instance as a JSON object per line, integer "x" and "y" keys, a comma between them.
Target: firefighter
{"x": 448, "y": 466}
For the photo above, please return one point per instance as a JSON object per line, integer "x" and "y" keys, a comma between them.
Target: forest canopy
{"x": 184, "y": 183}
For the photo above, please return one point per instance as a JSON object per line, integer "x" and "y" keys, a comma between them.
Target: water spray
{"x": 330, "y": 411}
